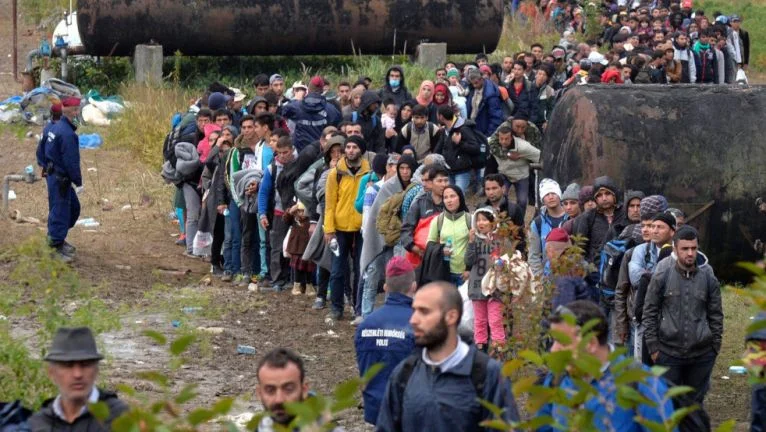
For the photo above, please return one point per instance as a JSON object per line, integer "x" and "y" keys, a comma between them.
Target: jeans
{"x": 522, "y": 193}
{"x": 488, "y": 312}
{"x": 226, "y": 248}
{"x": 279, "y": 265}
{"x": 693, "y": 372}
{"x": 263, "y": 250}
{"x": 349, "y": 245}
{"x": 456, "y": 279}
{"x": 193, "y": 204}
{"x": 248, "y": 253}
{"x": 373, "y": 274}
{"x": 461, "y": 180}
{"x": 233, "y": 265}
{"x": 219, "y": 235}
{"x": 323, "y": 280}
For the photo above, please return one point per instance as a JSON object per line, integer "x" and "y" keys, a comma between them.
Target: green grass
{"x": 753, "y": 15}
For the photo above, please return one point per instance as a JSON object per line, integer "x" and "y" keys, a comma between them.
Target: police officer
{"x": 61, "y": 162}
{"x": 386, "y": 335}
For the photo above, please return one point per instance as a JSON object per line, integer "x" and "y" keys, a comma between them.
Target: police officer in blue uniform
{"x": 59, "y": 154}
{"x": 386, "y": 335}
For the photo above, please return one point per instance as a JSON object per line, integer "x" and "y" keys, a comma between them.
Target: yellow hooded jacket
{"x": 341, "y": 191}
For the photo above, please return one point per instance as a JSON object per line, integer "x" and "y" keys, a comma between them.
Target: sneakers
{"x": 262, "y": 281}
{"x": 216, "y": 270}
{"x": 335, "y": 315}
{"x": 68, "y": 249}
{"x": 297, "y": 289}
{"x": 358, "y": 320}
{"x": 181, "y": 240}
{"x": 310, "y": 291}
{"x": 59, "y": 253}
{"x": 227, "y": 276}
{"x": 243, "y": 280}
{"x": 318, "y": 304}
{"x": 188, "y": 254}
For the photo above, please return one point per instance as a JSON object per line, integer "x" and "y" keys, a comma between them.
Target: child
{"x": 483, "y": 251}
{"x": 296, "y": 245}
{"x": 390, "y": 112}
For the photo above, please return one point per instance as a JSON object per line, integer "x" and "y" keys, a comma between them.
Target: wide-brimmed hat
{"x": 73, "y": 344}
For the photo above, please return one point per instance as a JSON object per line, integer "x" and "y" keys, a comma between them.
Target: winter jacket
{"x": 624, "y": 296}
{"x": 455, "y": 228}
{"x": 490, "y": 113}
{"x": 424, "y": 142}
{"x": 439, "y": 401}
{"x": 299, "y": 235}
{"x": 459, "y": 157}
{"x": 40, "y": 153}
{"x": 63, "y": 151}
{"x": 242, "y": 179}
{"x": 311, "y": 115}
{"x": 383, "y": 337}
{"x": 706, "y": 63}
{"x": 674, "y": 71}
{"x": 595, "y": 227}
{"x": 46, "y": 420}
{"x": 643, "y": 259}
{"x": 277, "y": 179}
{"x": 688, "y": 64}
{"x": 758, "y": 408}
{"x": 523, "y": 102}
{"x": 538, "y": 231}
{"x": 401, "y": 94}
{"x": 569, "y": 289}
{"x": 545, "y": 99}
{"x": 608, "y": 415}
{"x": 372, "y": 130}
{"x": 368, "y": 179}
{"x": 513, "y": 170}
{"x": 341, "y": 189}
{"x": 683, "y": 316}
{"x": 423, "y": 207}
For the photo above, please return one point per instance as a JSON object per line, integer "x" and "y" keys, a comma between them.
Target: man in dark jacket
{"x": 425, "y": 206}
{"x": 394, "y": 87}
{"x": 459, "y": 144}
{"x": 311, "y": 115}
{"x": 73, "y": 367}
{"x": 522, "y": 93}
{"x": 368, "y": 117}
{"x": 706, "y": 61}
{"x": 386, "y": 335}
{"x": 483, "y": 103}
{"x": 683, "y": 315}
{"x": 498, "y": 200}
{"x": 437, "y": 388}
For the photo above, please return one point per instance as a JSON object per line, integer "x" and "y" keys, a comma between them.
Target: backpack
{"x": 407, "y": 130}
{"x": 174, "y": 137}
{"x": 609, "y": 264}
{"x": 478, "y": 376}
{"x": 13, "y": 417}
{"x": 389, "y": 222}
{"x": 355, "y": 117}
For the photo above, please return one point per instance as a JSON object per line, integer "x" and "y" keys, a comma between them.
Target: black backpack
{"x": 478, "y": 377}
{"x": 480, "y": 161}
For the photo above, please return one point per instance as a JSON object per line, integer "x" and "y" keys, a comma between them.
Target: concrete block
{"x": 147, "y": 62}
{"x": 432, "y": 55}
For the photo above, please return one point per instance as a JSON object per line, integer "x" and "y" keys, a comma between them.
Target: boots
{"x": 310, "y": 291}
{"x": 297, "y": 289}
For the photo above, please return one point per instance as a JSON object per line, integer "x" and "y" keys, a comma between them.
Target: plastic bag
{"x": 284, "y": 243}
{"x": 466, "y": 321}
{"x": 90, "y": 141}
{"x": 93, "y": 116}
{"x": 741, "y": 76}
{"x": 202, "y": 244}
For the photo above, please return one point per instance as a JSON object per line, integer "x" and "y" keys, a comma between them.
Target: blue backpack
{"x": 355, "y": 117}
{"x": 609, "y": 264}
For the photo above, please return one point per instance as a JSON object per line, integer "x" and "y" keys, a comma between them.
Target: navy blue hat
{"x": 217, "y": 100}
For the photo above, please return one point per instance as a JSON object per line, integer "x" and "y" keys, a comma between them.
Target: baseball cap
{"x": 299, "y": 85}
{"x": 558, "y": 53}
{"x": 274, "y": 78}
{"x": 238, "y": 95}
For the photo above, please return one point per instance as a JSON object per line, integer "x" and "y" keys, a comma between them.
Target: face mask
{"x": 393, "y": 82}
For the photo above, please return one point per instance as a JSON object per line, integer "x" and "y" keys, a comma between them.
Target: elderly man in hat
{"x": 61, "y": 161}
{"x": 73, "y": 367}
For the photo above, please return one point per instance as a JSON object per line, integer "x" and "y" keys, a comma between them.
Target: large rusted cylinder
{"x": 700, "y": 146}
{"x": 266, "y": 27}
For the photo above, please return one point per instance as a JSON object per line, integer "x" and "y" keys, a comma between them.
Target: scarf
{"x": 422, "y": 100}
{"x": 699, "y": 46}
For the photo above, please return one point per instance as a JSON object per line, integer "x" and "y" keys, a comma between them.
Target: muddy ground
{"x": 128, "y": 251}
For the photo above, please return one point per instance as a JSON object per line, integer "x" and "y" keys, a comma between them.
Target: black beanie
{"x": 379, "y": 164}
{"x": 667, "y": 218}
{"x": 359, "y": 141}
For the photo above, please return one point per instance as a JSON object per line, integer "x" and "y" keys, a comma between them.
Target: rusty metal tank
{"x": 266, "y": 27}
{"x": 701, "y": 146}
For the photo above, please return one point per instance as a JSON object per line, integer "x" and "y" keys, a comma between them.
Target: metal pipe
{"x": 63, "y": 53}
{"x": 30, "y": 58}
{"x": 15, "y": 41}
{"x": 7, "y": 188}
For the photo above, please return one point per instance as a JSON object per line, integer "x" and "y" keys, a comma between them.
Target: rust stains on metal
{"x": 266, "y": 27}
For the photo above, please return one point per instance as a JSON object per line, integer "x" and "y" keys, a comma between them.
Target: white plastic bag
{"x": 91, "y": 115}
{"x": 284, "y": 243}
{"x": 741, "y": 76}
{"x": 202, "y": 244}
{"x": 466, "y": 322}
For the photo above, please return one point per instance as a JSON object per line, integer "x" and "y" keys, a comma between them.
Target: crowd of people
{"x": 339, "y": 193}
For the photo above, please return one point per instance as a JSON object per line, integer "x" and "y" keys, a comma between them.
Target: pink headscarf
{"x": 422, "y": 99}
{"x": 204, "y": 146}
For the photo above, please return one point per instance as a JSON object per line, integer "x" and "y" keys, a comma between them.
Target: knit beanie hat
{"x": 652, "y": 205}
{"x": 379, "y": 164}
{"x": 359, "y": 141}
{"x": 557, "y": 235}
{"x": 572, "y": 192}
{"x": 399, "y": 273}
{"x": 586, "y": 194}
{"x": 453, "y": 73}
{"x": 667, "y": 218}
{"x": 549, "y": 186}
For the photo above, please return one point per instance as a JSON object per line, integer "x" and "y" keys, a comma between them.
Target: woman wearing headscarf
{"x": 426, "y": 96}
{"x": 442, "y": 97}
{"x": 452, "y": 229}
{"x": 356, "y": 100}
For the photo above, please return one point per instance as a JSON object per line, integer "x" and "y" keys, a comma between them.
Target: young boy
{"x": 421, "y": 134}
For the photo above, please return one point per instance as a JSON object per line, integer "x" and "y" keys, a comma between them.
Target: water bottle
{"x": 447, "y": 247}
{"x": 739, "y": 370}
{"x": 226, "y": 213}
{"x": 334, "y": 247}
